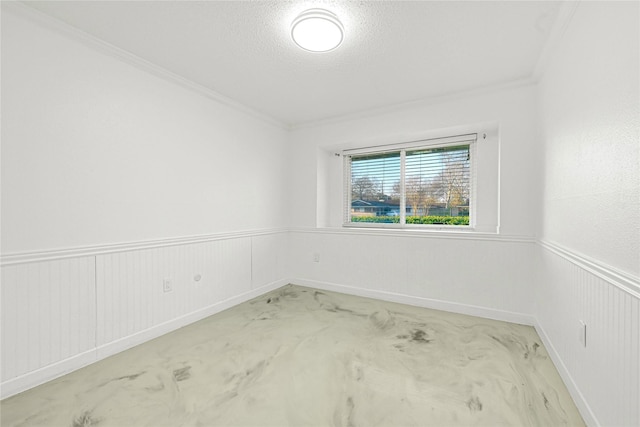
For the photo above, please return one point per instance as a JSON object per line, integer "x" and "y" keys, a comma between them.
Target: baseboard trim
{"x": 583, "y": 406}
{"x": 122, "y": 344}
{"x": 454, "y": 307}
{"x": 42, "y": 375}
{"x": 31, "y": 379}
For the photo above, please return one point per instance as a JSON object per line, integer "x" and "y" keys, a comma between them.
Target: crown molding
{"x": 23, "y": 9}
{"x": 565, "y": 14}
{"x": 560, "y": 25}
{"x": 422, "y": 102}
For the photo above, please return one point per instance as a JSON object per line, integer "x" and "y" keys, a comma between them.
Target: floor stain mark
{"x": 399, "y": 347}
{"x": 224, "y": 398}
{"x": 85, "y": 420}
{"x": 359, "y": 373}
{"x": 125, "y": 377}
{"x": 418, "y": 335}
{"x": 497, "y": 339}
{"x": 182, "y": 374}
{"x": 327, "y": 304}
{"x": 155, "y": 388}
{"x": 474, "y": 404}
{"x": 350, "y": 408}
{"x": 251, "y": 374}
{"x": 546, "y": 401}
{"x": 532, "y": 351}
{"x": 131, "y": 377}
{"x": 382, "y": 319}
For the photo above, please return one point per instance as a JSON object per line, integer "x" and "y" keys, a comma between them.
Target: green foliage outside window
{"x": 431, "y": 219}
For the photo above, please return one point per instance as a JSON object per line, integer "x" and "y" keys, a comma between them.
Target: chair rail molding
{"x": 623, "y": 280}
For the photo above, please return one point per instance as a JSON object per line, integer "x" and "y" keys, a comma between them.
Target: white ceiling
{"x": 394, "y": 51}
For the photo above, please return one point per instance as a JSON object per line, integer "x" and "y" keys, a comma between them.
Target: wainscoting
{"x": 61, "y": 314}
{"x": 604, "y": 375}
{"x": 48, "y": 319}
{"x": 62, "y": 310}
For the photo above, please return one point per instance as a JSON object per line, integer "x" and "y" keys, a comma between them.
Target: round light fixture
{"x": 317, "y": 30}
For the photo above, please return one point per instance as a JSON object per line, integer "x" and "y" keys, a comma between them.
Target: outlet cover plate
{"x": 582, "y": 333}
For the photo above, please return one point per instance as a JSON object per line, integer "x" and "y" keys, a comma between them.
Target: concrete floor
{"x": 302, "y": 357}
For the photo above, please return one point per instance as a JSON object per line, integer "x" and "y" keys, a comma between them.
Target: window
{"x": 424, "y": 183}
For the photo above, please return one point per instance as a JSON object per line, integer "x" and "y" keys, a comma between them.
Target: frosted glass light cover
{"x": 317, "y": 30}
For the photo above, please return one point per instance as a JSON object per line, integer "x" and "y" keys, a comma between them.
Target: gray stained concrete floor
{"x": 302, "y": 357}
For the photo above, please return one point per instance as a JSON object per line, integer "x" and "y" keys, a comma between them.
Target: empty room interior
{"x": 320, "y": 213}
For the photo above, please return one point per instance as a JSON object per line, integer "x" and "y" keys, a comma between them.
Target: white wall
{"x": 95, "y": 151}
{"x": 479, "y": 273}
{"x": 590, "y": 126}
{"x": 590, "y": 253}
{"x": 511, "y": 110}
{"x": 474, "y": 275}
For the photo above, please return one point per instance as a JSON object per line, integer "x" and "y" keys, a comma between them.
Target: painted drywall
{"x": 95, "y": 151}
{"x": 590, "y": 136}
{"x": 590, "y": 208}
{"x": 317, "y": 180}
{"x": 457, "y": 272}
{"x": 485, "y": 277}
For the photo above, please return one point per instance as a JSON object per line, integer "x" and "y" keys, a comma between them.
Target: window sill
{"x": 412, "y": 227}
{"x": 452, "y": 232}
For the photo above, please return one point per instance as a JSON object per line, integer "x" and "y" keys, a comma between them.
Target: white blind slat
{"x": 432, "y": 182}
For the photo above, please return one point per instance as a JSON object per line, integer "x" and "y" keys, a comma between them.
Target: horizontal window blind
{"x": 375, "y": 181}
{"x": 438, "y": 177}
{"x": 428, "y": 184}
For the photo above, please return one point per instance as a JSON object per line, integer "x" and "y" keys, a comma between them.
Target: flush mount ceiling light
{"x": 317, "y": 30}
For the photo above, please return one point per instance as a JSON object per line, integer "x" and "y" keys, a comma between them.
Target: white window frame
{"x": 457, "y": 140}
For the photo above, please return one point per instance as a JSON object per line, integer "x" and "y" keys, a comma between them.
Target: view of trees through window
{"x": 436, "y": 186}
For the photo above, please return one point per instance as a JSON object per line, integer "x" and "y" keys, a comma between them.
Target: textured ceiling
{"x": 394, "y": 52}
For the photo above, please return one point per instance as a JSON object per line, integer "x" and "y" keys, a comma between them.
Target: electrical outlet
{"x": 582, "y": 333}
{"x": 316, "y": 257}
{"x": 167, "y": 285}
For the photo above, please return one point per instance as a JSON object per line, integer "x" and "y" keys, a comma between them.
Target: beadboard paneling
{"x": 130, "y": 284}
{"x": 59, "y": 315}
{"x": 605, "y": 373}
{"x": 268, "y": 259}
{"x": 48, "y": 313}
